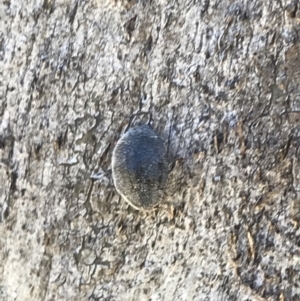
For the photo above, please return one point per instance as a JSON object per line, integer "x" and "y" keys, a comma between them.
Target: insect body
{"x": 140, "y": 168}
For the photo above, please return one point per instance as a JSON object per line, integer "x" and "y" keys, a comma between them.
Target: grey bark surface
{"x": 222, "y": 77}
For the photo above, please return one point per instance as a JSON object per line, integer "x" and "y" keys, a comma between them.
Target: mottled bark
{"x": 222, "y": 77}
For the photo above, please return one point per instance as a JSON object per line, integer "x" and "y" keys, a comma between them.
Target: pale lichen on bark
{"x": 223, "y": 76}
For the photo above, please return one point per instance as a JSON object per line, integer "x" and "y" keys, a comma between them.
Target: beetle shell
{"x": 139, "y": 167}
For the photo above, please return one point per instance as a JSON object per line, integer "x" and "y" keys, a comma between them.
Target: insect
{"x": 140, "y": 167}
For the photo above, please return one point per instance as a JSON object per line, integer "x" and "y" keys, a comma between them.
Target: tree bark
{"x": 222, "y": 81}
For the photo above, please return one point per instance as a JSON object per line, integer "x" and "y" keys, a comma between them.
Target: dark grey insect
{"x": 140, "y": 168}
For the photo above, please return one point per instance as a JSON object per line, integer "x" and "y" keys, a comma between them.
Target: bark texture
{"x": 222, "y": 80}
